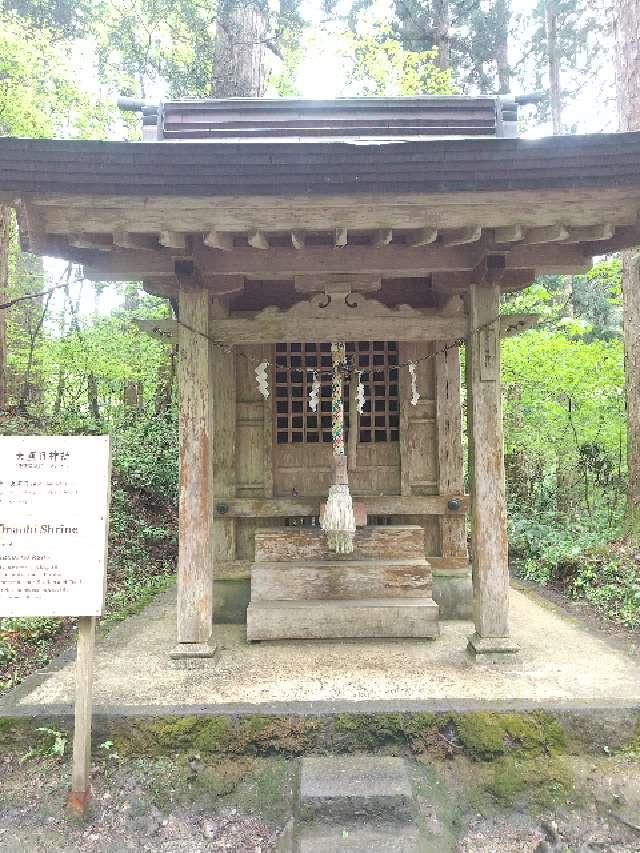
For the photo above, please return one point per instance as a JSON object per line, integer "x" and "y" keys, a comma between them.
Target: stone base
{"x": 453, "y": 593}
{"x": 343, "y": 787}
{"x": 360, "y": 838}
{"x": 493, "y": 649}
{"x": 186, "y": 651}
{"x": 381, "y": 618}
{"x": 231, "y": 597}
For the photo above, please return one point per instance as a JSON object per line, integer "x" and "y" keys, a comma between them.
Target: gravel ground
{"x": 137, "y": 806}
{"x": 560, "y": 661}
{"x": 185, "y": 805}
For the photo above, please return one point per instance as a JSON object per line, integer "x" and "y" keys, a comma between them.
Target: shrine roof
{"x": 310, "y": 167}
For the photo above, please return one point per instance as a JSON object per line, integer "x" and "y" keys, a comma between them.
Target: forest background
{"x": 73, "y": 361}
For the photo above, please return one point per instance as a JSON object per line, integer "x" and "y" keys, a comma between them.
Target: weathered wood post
{"x": 195, "y": 584}
{"x": 222, "y": 401}
{"x": 490, "y": 565}
{"x": 81, "y": 768}
{"x": 451, "y": 585}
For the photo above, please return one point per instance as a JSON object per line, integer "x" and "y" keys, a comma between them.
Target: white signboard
{"x": 54, "y": 510}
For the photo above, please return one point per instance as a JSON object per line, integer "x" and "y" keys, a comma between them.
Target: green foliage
{"x": 150, "y": 45}
{"x": 51, "y": 743}
{"x": 39, "y": 93}
{"x": 382, "y": 66}
{"x": 606, "y": 574}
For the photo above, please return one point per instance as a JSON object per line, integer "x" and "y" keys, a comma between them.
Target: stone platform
{"x": 561, "y": 664}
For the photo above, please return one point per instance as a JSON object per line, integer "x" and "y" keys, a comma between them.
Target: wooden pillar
{"x": 452, "y": 587}
{"x": 453, "y": 537}
{"x": 490, "y": 567}
{"x": 222, "y": 401}
{"x": 195, "y": 604}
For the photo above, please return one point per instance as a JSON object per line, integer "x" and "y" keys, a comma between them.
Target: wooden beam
{"x": 589, "y": 233}
{"x": 486, "y": 456}
{"x": 173, "y": 240}
{"x": 281, "y": 327}
{"x": 195, "y": 605}
{"x": 515, "y": 324}
{"x": 382, "y": 237}
{"x": 459, "y": 280}
{"x": 547, "y": 234}
{"x": 625, "y": 237}
{"x": 340, "y": 237}
{"x": 31, "y": 226}
{"x": 131, "y": 240}
{"x": 129, "y": 265}
{"x": 306, "y": 507}
{"x": 219, "y": 240}
{"x": 298, "y": 239}
{"x": 163, "y": 329}
{"x": 257, "y": 239}
{"x": 461, "y": 236}
{"x": 554, "y": 258}
{"x": 508, "y": 234}
{"x": 422, "y": 236}
{"x": 220, "y": 285}
{"x": 394, "y": 260}
{"x": 316, "y": 283}
{"x": 165, "y": 287}
{"x": 99, "y": 242}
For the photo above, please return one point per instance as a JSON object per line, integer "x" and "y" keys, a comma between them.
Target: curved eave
{"x": 42, "y": 167}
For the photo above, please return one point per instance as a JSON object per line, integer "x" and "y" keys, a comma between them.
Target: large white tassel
{"x": 339, "y": 522}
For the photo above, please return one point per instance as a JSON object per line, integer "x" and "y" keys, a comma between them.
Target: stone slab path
{"x": 354, "y": 804}
{"x": 562, "y": 663}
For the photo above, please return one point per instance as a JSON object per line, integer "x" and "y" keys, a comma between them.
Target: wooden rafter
{"x": 173, "y": 240}
{"x": 257, "y": 239}
{"x": 219, "y": 240}
{"x": 422, "y": 236}
{"x": 392, "y": 260}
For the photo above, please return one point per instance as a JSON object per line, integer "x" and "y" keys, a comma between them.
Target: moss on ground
{"x": 254, "y": 735}
{"x": 479, "y": 735}
{"x": 538, "y": 782}
{"x": 17, "y": 733}
{"x": 486, "y": 736}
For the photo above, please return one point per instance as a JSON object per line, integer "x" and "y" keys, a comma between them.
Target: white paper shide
{"x": 54, "y": 506}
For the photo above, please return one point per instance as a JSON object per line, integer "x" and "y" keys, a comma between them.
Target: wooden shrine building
{"x": 277, "y": 227}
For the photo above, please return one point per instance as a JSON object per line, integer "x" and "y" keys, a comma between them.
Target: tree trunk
{"x": 441, "y": 23}
{"x": 133, "y": 393}
{"x": 165, "y": 380}
{"x": 239, "y": 59}
{"x": 92, "y": 400}
{"x": 5, "y": 236}
{"x": 627, "y": 30}
{"x": 503, "y": 14}
{"x": 554, "y": 66}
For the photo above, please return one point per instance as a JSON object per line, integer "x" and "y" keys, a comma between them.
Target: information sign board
{"x": 54, "y": 509}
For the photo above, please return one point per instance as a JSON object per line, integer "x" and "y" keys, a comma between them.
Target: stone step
{"x": 329, "y": 580}
{"x": 299, "y": 544}
{"x": 389, "y": 838}
{"x": 354, "y": 786}
{"x": 343, "y": 619}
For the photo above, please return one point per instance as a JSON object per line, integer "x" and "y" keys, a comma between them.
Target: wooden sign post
{"x": 54, "y": 512}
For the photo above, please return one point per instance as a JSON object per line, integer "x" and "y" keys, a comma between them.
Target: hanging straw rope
{"x": 339, "y": 521}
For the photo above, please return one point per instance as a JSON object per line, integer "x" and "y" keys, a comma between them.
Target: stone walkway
{"x": 562, "y": 663}
{"x": 355, "y": 804}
